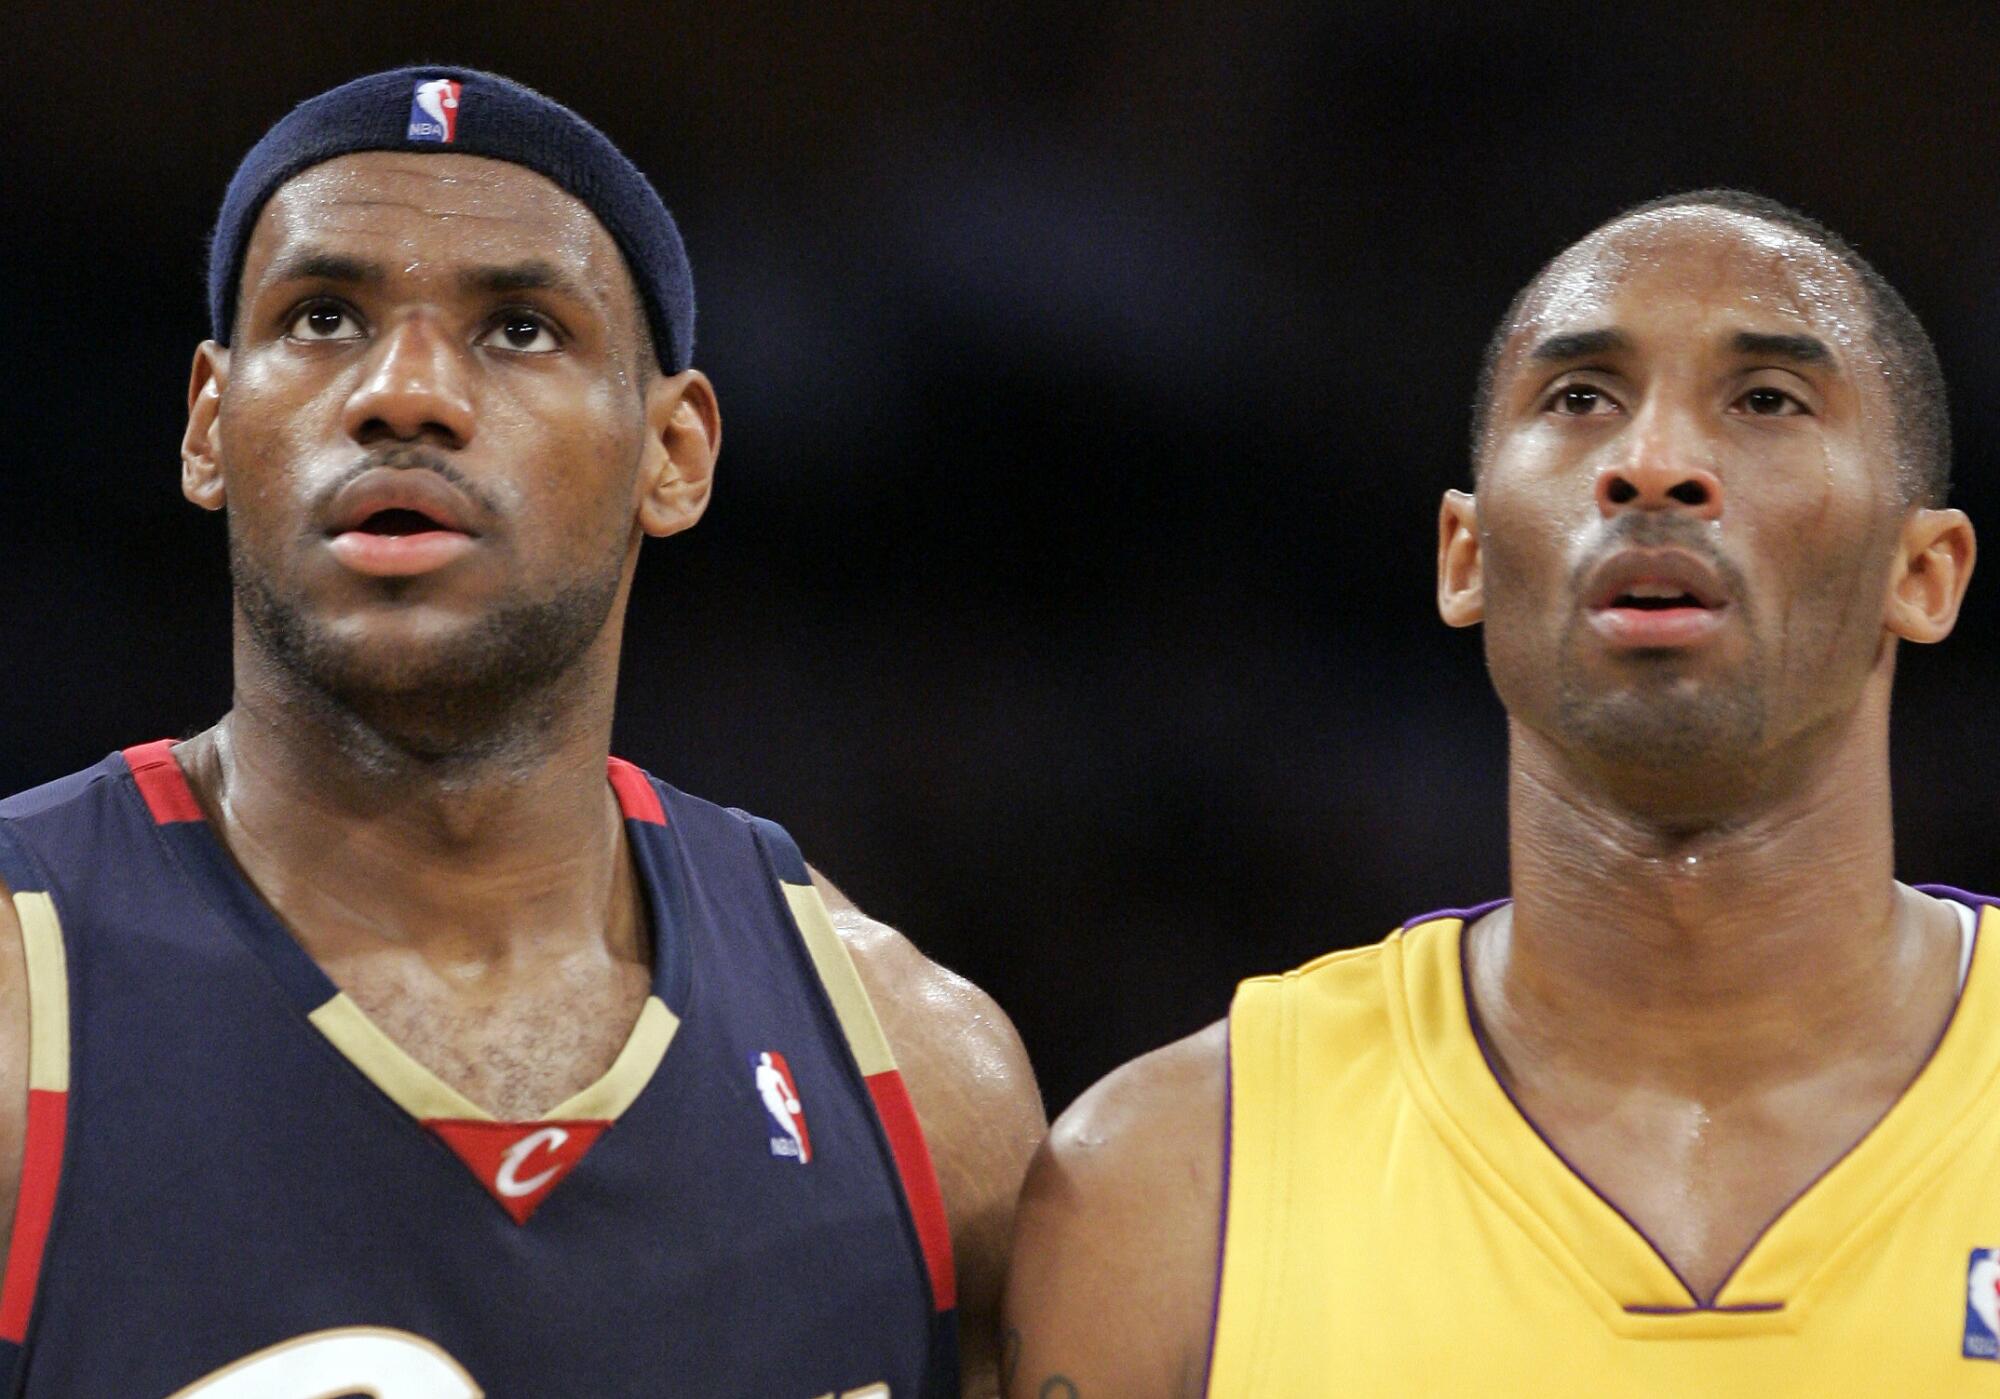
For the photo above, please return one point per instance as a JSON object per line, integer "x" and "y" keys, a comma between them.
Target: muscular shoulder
{"x": 952, "y": 1041}
{"x": 1113, "y": 1279}
{"x": 975, "y": 1095}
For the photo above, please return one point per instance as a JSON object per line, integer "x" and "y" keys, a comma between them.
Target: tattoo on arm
{"x": 1054, "y": 1387}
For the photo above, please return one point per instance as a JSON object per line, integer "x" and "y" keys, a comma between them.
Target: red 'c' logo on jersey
{"x": 519, "y": 1163}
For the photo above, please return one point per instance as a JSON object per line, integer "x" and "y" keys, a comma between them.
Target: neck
{"x": 472, "y": 851}
{"x": 1705, "y": 956}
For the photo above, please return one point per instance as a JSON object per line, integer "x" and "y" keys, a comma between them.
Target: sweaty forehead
{"x": 425, "y": 212}
{"x": 1696, "y": 259}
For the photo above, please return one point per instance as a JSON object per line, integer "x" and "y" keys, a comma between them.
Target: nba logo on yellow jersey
{"x": 1982, "y": 1305}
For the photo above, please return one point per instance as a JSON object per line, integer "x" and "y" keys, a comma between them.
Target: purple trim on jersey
{"x": 1939, "y": 891}
{"x": 1222, "y": 1226}
{"x": 1962, "y": 896}
{"x": 1485, "y": 1053}
{"x": 1463, "y": 915}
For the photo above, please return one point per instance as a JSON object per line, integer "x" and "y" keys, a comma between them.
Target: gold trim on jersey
{"x": 371, "y": 1360}
{"x": 607, "y": 1099}
{"x": 426, "y": 1097}
{"x": 48, "y": 993}
{"x": 842, "y": 981}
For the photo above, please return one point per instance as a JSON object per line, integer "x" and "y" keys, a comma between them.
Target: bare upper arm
{"x": 1112, "y": 1288}
{"x": 13, "y": 1062}
{"x": 975, "y": 1095}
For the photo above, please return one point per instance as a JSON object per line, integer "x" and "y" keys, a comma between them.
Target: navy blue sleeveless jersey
{"x": 236, "y": 1187}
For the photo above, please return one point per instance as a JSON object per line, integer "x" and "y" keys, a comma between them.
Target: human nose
{"x": 415, "y": 388}
{"x": 1660, "y": 473}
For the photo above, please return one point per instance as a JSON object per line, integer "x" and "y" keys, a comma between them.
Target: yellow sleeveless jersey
{"x": 1396, "y": 1227}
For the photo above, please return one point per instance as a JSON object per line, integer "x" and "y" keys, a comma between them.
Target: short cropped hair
{"x": 1922, "y": 427}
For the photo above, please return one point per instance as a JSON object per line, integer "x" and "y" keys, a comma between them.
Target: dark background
{"x": 1089, "y": 376}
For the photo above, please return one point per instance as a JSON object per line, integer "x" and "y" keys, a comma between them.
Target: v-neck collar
{"x": 399, "y": 1076}
{"x": 1605, "y": 1254}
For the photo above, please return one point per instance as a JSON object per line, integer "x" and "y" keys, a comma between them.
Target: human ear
{"x": 1461, "y": 585}
{"x": 683, "y": 436}
{"x": 201, "y": 460}
{"x": 1933, "y": 563}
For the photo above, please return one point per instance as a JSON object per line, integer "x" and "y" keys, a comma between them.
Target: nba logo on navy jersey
{"x": 1982, "y": 1305}
{"x": 781, "y": 1100}
{"x": 434, "y": 110}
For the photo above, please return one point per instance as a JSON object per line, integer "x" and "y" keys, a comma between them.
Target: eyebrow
{"x": 320, "y": 265}
{"x": 1580, "y": 344}
{"x": 535, "y": 274}
{"x": 1800, "y": 349}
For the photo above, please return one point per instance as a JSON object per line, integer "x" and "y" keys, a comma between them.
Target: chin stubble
{"x": 491, "y": 687}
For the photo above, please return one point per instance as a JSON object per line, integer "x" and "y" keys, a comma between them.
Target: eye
{"x": 324, "y": 320}
{"x": 522, "y": 331}
{"x": 1768, "y": 402}
{"x": 1579, "y": 401}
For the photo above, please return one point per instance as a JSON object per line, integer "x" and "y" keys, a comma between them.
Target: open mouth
{"x": 390, "y": 523}
{"x": 1656, "y": 599}
{"x": 399, "y": 542}
{"x": 399, "y": 522}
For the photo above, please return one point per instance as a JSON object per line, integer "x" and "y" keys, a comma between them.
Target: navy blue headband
{"x": 459, "y": 111}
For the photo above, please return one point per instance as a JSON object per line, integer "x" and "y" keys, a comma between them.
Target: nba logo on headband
{"x": 434, "y": 110}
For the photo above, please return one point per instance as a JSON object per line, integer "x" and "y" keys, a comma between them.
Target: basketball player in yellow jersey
{"x": 1711, "y": 1107}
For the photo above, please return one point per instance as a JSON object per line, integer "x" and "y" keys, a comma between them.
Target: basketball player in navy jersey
{"x": 389, "y": 1036}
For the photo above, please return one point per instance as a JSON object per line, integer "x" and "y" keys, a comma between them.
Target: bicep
{"x": 1071, "y": 1324}
{"x": 982, "y": 1116}
{"x": 1112, "y": 1281}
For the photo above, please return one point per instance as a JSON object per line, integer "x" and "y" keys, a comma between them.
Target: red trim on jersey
{"x": 518, "y": 1180}
{"x": 41, "y": 1168}
{"x": 636, "y": 797}
{"x": 920, "y": 1187}
{"x": 162, "y": 783}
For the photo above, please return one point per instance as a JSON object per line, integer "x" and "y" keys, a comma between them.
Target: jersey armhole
{"x": 1255, "y": 1164}
{"x": 48, "y": 1096}
{"x": 869, "y": 1047}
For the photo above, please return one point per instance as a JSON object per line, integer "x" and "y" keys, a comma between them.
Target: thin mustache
{"x": 1662, "y": 532}
{"x": 405, "y": 457}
